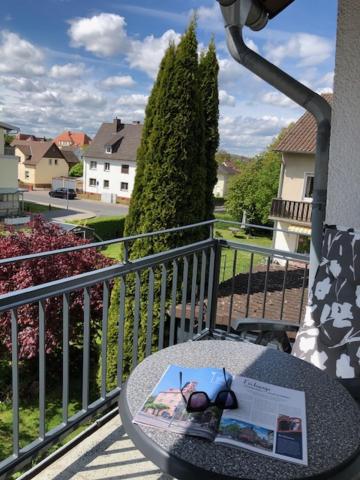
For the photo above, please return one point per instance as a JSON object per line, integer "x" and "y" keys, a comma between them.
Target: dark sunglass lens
{"x": 197, "y": 401}
{"x": 226, "y": 400}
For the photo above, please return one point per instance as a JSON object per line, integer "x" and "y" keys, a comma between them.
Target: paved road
{"x": 100, "y": 209}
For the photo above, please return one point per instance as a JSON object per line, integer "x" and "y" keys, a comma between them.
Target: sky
{"x": 71, "y": 65}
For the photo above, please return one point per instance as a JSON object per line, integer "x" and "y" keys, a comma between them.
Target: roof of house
{"x": 28, "y": 136}
{"x": 69, "y": 155}
{"x": 301, "y": 137}
{"x": 122, "y": 137}
{"x": 36, "y": 150}
{"x": 8, "y": 126}
{"x": 75, "y": 138}
{"x": 228, "y": 168}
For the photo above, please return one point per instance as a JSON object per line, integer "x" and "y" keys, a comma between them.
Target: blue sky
{"x": 73, "y": 64}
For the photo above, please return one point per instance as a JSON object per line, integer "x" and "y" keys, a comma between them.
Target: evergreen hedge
{"x": 171, "y": 184}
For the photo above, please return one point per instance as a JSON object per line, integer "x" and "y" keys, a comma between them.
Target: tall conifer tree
{"x": 169, "y": 186}
{"x": 209, "y": 69}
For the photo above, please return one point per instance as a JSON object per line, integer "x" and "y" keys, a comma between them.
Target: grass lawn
{"x": 243, "y": 258}
{"x": 37, "y": 208}
{"x": 221, "y": 231}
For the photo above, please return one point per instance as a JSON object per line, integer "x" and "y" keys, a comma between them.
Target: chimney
{"x": 117, "y": 124}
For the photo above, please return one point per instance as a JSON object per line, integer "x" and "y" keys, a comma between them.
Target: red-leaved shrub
{"x": 42, "y": 236}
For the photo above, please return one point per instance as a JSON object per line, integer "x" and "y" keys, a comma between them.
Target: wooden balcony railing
{"x": 292, "y": 210}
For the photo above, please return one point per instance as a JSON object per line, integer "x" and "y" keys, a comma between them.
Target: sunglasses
{"x": 200, "y": 401}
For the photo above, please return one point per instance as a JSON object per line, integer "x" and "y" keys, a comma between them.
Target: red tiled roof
{"x": 75, "y": 138}
{"x": 301, "y": 137}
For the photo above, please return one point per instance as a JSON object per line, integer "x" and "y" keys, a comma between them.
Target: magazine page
{"x": 270, "y": 420}
{"x": 165, "y": 407}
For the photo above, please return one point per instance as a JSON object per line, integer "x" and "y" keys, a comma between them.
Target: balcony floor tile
{"x": 107, "y": 454}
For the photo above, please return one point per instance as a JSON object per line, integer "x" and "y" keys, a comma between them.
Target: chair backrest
{"x": 330, "y": 334}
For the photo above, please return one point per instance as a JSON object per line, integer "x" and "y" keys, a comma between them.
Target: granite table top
{"x": 333, "y": 417}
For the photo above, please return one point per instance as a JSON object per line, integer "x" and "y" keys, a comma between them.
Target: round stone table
{"x": 333, "y": 417}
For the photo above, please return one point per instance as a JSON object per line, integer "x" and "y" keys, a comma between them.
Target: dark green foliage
{"x": 170, "y": 173}
{"x": 106, "y": 228}
{"x": 112, "y": 338}
{"x": 77, "y": 170}
{"x": 209, "y": 69}
{"x": 170, "y": 185}
{"x": 254, "y": 188}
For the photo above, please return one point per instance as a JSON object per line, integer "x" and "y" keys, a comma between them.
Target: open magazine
{"x": 269, "y": 419}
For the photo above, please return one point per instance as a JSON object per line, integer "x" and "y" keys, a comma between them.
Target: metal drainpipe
{"x": 310, "y": 101}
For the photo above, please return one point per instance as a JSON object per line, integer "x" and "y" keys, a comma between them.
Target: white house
{"x": 225, "y": 172}
{"x": 9, "y": 192}
{"x": 292, "y": 208}
{"x": 110, "y": 161}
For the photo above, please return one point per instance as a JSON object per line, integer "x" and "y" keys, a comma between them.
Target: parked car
{"x": 63, "y": 193}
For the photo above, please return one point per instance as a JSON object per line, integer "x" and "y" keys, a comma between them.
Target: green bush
{"x": 106, "y": 228}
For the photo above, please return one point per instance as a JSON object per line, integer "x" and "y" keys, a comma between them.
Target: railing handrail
{"x": 270, "y": 252}
{"x": 125, "y": 240}
{"x": 64, "y": 285}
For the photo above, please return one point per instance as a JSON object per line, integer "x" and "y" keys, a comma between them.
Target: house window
{"x": 55, "y": 161}
{"x": 50, "y": 161}
{"x": 124, "y": 168}
{"x": 92, "y": 182}
{"x": 27, "y": 174}
{"x": 108, "y": 149}
{"x": 308, "y": 186}
{"x": 107, "y": 166}
{"x": 124, "y": 186}
{"x": 93, "y": 165}
{"x": 106, "y": 183}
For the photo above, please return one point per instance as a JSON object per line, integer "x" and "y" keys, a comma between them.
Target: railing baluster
{"x": 193, "y": 294}
{"x": 249, "y": 285}
{"x": 65, "y": 366}
{"x": 15, "y": 382}
{"x": 122, "y": 297}
{"x": 283, "y": 290}
{"x": 162, "y": 306}
{"x": 42, "y": 384}
{"x": 86, "y": 352}
{"x": 183, "y": 302}
{"x": 266, "y": 285}
{"x": 202, "y": 291}
{"x": 232, "y": 290}
{"x": 136, "y": 319}
{"x": 302, "y": 293}
{"x": 210, "y": 287}
{"x": 104, "y": 338}
{"x": 150, "y": 313}
{"x": 173, "y": 303}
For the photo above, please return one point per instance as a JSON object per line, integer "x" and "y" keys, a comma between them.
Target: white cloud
{"x": 84, "y": 98}
{"x": 210, "y": 18}
{"x": 69, "y": 70}
{"x": 226, "y": 99}
{"x": 146, "y": 54}
{"x": 305, "y": 48}
{"x": 249, "y": 134}
{"x": 134, "y": 100}
{"x": 118, "y": 81}
{"x": 18, "y": 56}
{"x": 21, "y": 84}
{"x": 278, "y": 99}
{"x": 103, "y": 35}
{"x": 48, "y": 97}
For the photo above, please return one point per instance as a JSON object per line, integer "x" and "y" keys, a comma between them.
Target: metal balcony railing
{"x": 179, "y": 293}
{"x": 291, "y": 210}
{"x": 9, "y": 151}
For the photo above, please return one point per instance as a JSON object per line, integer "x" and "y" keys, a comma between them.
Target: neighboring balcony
{"x": 297, "y": 212}
{"x": 9, "y": 151}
